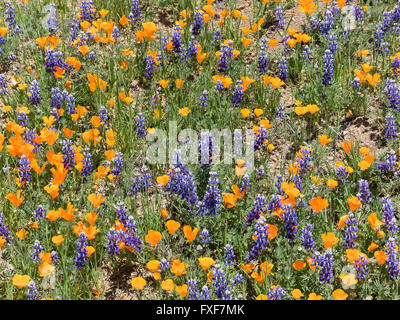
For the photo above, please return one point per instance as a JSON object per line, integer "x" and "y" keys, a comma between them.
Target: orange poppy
{"x": 182, "y": 290}
{"x": 329, "y": 239}
{"x": 318, "y": 204}
{"x": 21, "y": 281}
{"x": 153, "y": 237}
{"x": 178, "y": 268}
{"x": 189, "y": 233}
{"x": 168, "y": 285}
{"x": 138, "y": 283}
{"x": 354, "y": 203}
{"x": 206, "y": 262}
{"x": 172, "y": 226}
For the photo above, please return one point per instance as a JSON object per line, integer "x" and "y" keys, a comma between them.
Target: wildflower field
{"x": 199, "y": 149}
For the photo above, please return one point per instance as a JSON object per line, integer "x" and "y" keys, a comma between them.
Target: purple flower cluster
{"x": 141, "y": 181}
{"x": 81, "y": 251}
{"x": 258, "y": 207}
{"x": 350, "y": 232}
{"x": 324, "y": 263}
{"x": 24, "y": 170}
{"x": 261, "y": 235}
{"x": 212, "y": 198}
{"x": 307, "y": 239}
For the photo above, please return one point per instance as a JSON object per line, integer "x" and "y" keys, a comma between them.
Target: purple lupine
{"x": 81, "y": 251}
{"x": 74, "y": 30}
{"x": 389, "y": 215}
{"x": 263, "y": 60}
{"x": 205, "y": 149}
{"x": 177, "y": 43}
{"x": 259, "y": 206}
{"x": 290, "y": 217}
{"x": 130, "y": 238}
{"x": 136, "y": 14}
{"x": 22, "y": 118}
{"x": 283, "y": 69}
{"x": 307, "y": 239}
{"x": 392, "y": 260}
{"x": 34, "y": 91}
{"x": 193, "y": 289}
{"x": 342, "y": 174}
{"x": 197, "y": 21}
{"x": 333, "y": 43}
{"x": 116, "y": 33}
{"x": 205, "y": 236}
{"x": 260, "y": 171}
{"x": 395, "y": 65}
{"x": 305, "y": 163}
{"x": 278, "y": 183}
{"x": 203, "y": 100}
{"x": 32, "y": 292}
{"x": 324, "y": 263}
{"x": 390, "y": 127}
{"x": 307, "y": 56}
{"x": 148, "y": 73}
{"x": 164, "y": 264}
{"x": 245, "y": 184}
{"x": 378, "y": 38}
{"x": 56, "y": 99}
{"x": 118, "y": 162}
{"x": 276, "y": 293}
{"x": 363, "y": 191}
{"x": 386, "y": 21}
{"x": 212, "y": 198}
{"x": 114, "y": 238}
{"x": 39, "y": 212}
{"x": 238, "y": 94}
{"x": 87, "y": 165}
{"x": 350, "y": 232}
{"x": 87, "y": 11}
{"x": 355, "y": 83}
{"x": 328, "y": 23}
{"x": 103, "y": 114}
{"x": 10, "y": 18}
{"x": 275, "y": 203}
{"x": 192, "y": 48}
{"x": 141, "y": 181}
{"x": 54, "y": 59}
{"x": 4, "y": 231}
{"x": 329, "y": 60}
{"x": 52, "y": 25}
{"x": 37, "y": 249}
{"x": 24, "y": 170}
{"x": 280, "y": 18}
{"x": 361, "y": 267}
{"x": 141, "y": 125}
{"x": 68, "y": 152}
{"x": 261, "y": 137}
{"x": 225, "y": 56}
{"x": 55, "y": 258}
{"x": 358, "y": 13}
{"x": 229, "y": 255}
{"x": 3, "y": 85}
{"x": 220, "y": 283}
{"x": 385, "y": 47}
{"x": 261, "y": 234}
{"x": 70, "y": 104}
{"x": 182, "y": 184}
{"x": 238, "y": 279}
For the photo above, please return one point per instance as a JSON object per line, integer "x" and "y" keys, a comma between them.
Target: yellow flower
{"x": 184, "y": 111}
